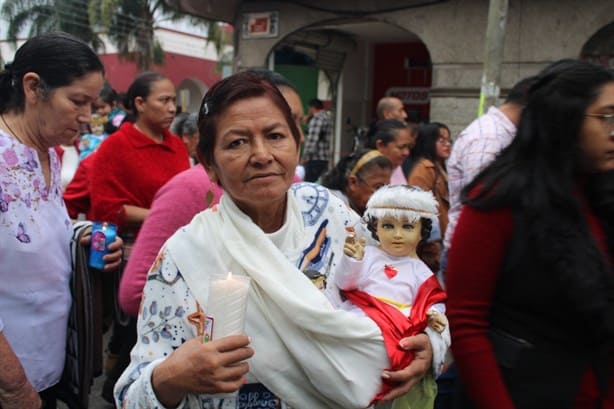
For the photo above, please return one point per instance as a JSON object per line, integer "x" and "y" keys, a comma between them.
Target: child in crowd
{"x": 109, "y": 105}
{"x": 90, "y": 141}
{"x": 390, "y": 284}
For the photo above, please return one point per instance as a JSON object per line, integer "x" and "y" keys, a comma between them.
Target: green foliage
{"x": 42, "y": 16}
{"x": 129, "y": 24}
{"x": 220, "y": 38}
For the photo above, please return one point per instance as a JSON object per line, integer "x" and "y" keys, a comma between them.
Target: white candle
{"x": 227, "y": 304}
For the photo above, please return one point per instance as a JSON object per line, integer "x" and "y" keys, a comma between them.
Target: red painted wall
{"x": 389, "y": 70}
{"x": 177, "y": 68}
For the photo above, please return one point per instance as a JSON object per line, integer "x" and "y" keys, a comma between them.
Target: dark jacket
{"x": 551, "y": 317}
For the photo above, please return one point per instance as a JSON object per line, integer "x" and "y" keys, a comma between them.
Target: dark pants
{"x": 49, "y": 397}
{"x": 314, "y": 168}
{"x": 446, "y": 389}
{"x": 121, "y": 343}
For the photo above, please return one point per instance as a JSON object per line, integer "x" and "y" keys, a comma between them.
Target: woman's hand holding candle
{"x": 195, "y": 367}
{"x": 211, "y": 367}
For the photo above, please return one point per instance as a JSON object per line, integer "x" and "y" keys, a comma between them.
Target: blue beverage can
{"x": 103, "y": 234}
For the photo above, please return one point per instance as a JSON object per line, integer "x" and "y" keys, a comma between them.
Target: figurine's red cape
{"x": 396, "y": 326}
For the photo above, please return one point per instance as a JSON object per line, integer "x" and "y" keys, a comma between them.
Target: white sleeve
{"x": 137, "y": 392}
{"x": 162, "y": 327}
{"x": 439, "y": 307}
{"x": 348, "y": 273}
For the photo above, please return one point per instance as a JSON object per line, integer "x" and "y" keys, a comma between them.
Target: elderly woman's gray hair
{"x": 185, "y": 124}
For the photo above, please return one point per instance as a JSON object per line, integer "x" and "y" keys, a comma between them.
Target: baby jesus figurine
{"x": 388, "y": 282}
{"x": 90, "y": 141}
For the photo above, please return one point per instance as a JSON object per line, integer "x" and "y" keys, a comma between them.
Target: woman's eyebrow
{"x": 273, "y": 126}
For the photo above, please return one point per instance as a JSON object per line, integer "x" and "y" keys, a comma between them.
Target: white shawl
{"x": 306, "y": 352}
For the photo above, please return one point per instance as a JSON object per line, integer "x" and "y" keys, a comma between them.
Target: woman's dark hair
{"x": 122, "y": 98}
{"x": 385, "y": 130}
{"x": 441, "y": 126}
{"x": 600, "y": 192}
{"x": 426, "y": 144}
{"x": 141, "y": 87}
{"x": 337, "y": 177}
{"x": 541, "y": 165}
{"x": 58, "y": 59}
{"x": 539, "y": 176}
{"x": 225, "y": 93}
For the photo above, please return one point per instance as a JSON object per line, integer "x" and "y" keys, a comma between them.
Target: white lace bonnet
{"x": 402, "y": 201}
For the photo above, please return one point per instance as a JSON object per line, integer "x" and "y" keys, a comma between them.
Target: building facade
{"x": 430, "y": 53}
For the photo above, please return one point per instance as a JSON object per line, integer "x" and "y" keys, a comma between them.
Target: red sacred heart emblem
{"x": 390, "y": 271}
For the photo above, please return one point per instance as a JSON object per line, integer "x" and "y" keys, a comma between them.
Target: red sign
{"x": 260, "y": 25}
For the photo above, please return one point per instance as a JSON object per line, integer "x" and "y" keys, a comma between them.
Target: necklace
{"x": 10, "y": 129}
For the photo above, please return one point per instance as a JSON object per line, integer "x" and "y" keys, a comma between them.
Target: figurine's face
{"x": 398, "y": 237}
{"x": 97, "y": 129}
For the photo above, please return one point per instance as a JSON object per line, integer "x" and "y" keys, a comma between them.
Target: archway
{"x": 362, "y": 60}
{"x": 190, "y": 93}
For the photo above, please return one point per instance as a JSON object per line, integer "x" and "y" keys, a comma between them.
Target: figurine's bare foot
{"x": 436, "y": 321}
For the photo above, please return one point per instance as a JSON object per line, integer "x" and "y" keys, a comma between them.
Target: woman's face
{"x": 158, "y": 109}
{"x": 360, "y": 188}
{"x": 443, "y": 145}
{"x": 397, "y": 150}
{"x": 597, "y": 135}
{"x": 254, "y": 154}
{"x": 66, "y": 110}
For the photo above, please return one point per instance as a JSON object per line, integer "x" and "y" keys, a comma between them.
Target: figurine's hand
{"x": 436, "y": 321}
{"x": 360, "y": 248}
{"x": 353, "y": 248}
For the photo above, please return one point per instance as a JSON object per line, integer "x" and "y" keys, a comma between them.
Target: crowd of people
{"x": 481, "y": 262}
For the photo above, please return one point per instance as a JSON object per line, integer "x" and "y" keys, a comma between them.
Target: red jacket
{"x": 77, "y": 192}
{"x": 129, "y": 168}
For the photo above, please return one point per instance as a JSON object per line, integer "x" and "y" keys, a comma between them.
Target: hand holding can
{"x": 103, "y": 234}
